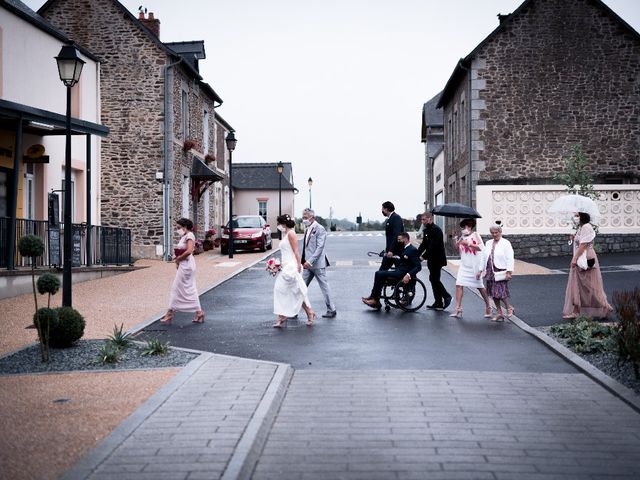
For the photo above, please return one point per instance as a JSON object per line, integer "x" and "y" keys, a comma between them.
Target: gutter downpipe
{"x": 469, "y": 141}
{"x": 166, "y": 186}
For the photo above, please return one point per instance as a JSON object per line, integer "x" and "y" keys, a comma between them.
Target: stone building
{"x": 163, "y": 159}
{"x": 553, "y": 74}
{"x": 432, "y": 135}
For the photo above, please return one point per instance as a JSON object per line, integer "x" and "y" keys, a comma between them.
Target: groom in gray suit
{"x": 314, "y": 260}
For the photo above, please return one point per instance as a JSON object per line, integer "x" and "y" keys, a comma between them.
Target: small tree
{"x": 32, "y": 247}
{"x": 576, "y": 175}
{"x": 48, "y": 283}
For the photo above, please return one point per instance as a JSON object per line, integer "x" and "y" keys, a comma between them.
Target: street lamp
{"x": 280, "y": 169}
{"x": 310, "y": 181}
{"x": 231, "y": 146}
{"x": 69, "y": 68}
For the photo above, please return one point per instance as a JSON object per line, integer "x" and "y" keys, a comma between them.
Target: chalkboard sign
{"x": 54, "y": 210}
{"x": 76, "y": 253}
{"x": 54, "y": 247}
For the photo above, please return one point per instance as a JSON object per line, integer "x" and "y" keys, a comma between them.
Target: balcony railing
{"x": 109, "y": 245}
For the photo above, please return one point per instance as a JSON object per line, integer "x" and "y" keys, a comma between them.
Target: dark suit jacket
{"x": 409, "y": 261}
{"x": 393, "y": 226}
{"x": 432, "y": 246}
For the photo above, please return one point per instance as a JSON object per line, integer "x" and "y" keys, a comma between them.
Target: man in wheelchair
{"x": 407, "y": 266}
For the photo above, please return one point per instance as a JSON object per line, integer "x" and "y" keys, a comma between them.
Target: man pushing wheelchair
{"x": 407, "y": 265}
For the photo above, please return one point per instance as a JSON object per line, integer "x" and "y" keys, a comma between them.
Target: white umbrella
{"x": 569, "y": 204}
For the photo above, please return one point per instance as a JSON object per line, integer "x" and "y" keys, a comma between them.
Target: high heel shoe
{"x": 457, "y": 313}
{"x": 199, "y": 317}
{"x": 498, "y": 317}
{"x": 311, "y": 319}
{"x": 282, "y": 321}
{"x": 510, "y": 312}
{"x": 488, "y": 312}
{"x": 168, "y": 317}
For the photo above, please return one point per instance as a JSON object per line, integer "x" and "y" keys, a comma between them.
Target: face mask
{"x": 466, "y": 231}
{"x": 306, "y": 222}
{"x": 180, "y": 231}
{"x": 281, "y": 228}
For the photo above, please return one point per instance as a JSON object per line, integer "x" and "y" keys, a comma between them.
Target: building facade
{"x": 163, "y": 155}
{"x": 553, "y": 74}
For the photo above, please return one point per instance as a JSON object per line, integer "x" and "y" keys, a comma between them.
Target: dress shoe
{"x": 447, "y": 302}
{"x": 435, "y": 306}
{"x": 329, "y": 314}
{"x": 373, "y": 303}
{"x": 367, "y": 298}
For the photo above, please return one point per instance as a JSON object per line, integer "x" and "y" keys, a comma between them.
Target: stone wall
{"x": 132, "y": 92}
{"x": 561, "y": 72}
{"x": 536, "y": 246}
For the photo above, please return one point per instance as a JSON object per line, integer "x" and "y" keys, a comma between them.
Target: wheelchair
{"x": 408, "y": 297}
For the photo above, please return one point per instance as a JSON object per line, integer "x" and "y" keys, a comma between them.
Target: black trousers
{"x": 439, "y": 292}
{"x": 381, "y": 277}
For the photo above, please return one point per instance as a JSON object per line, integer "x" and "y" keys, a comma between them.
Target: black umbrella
{"x": 456, "y": 210}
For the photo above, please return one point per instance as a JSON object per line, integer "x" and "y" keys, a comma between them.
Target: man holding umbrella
{"x": 432, "y": 250}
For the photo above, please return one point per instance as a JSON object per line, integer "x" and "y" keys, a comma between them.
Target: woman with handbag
{"x": 184, "y": 293}
{"x": 499, "y": 268}
{"x": 585, "y": 293}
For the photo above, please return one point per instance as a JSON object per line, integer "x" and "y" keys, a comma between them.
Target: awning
{"x": 201, "y": 172}
{"x": 43, "y": 122}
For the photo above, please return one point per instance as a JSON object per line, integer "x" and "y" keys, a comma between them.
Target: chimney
{"x": 502, "y": 18}
{"x": 150, "y": 22}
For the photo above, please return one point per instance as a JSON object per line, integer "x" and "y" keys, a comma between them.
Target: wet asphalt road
{"x": 239, "y": 318}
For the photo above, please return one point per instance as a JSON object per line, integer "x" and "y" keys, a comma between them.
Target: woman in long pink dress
{"x": 585, "y": 292}
{"x": 184, "y": 293}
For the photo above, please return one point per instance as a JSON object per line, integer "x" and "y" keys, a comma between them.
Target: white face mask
{"x": 306, "y": 222}
{"x": 180, "y": 231}
{"x": 281, "y": 228}
{"x": 466, "y": 231}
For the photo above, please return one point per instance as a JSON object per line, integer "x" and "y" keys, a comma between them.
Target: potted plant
{"x": 209, "y": 158}
{"x": 189, "y": 144}
{"x": 209, "y": 241}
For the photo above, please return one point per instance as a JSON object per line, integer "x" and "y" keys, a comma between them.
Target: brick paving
{"x": 434, "y": 424}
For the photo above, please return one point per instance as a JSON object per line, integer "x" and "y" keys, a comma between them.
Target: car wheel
{"x": 263, "y": 246}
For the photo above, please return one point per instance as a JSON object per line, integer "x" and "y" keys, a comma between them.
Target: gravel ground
{"x": 606, "y": 362}
{"x": 85, "y": 356}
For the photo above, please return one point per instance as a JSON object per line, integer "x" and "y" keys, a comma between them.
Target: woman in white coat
{"x": 498, "y": 263}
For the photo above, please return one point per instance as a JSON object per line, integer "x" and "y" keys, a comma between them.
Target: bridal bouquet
{"x": 273, "y": 266}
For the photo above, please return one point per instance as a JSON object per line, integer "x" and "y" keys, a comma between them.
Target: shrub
{"x": 156, "y": 347}
{"x": 627, "y": 306}
{"x": 31, "y": 246}
{"x": 109, "y": 353}
{"x": 48, "y": 283}
{"x": 119, "y": 338}
{"x": 68, "y": 329}
{"x": 586, "y": 336}
{"x": 44, "y": 320}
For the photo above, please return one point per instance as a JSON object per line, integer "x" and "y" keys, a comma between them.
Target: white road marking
{"x": 344, "y": 263}
{"x": 227, "y": 264}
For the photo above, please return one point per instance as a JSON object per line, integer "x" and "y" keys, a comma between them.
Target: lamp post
{"x": 310, "y": 181}
{"x": 280, "y": 169}
{"x": 231, "y": 146}
{"x": 69, "y": 68}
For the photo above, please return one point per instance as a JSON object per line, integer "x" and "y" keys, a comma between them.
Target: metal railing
{"x": 109, "y": 245}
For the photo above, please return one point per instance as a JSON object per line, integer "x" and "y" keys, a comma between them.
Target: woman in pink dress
{"x": 184, "y": 293}
{"x": 585, "y": 293}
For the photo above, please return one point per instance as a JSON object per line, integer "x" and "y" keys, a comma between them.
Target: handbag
{"x": 582, "y": 261}
{"x": 178, "y": 251}
{"x": 500, "y": 275}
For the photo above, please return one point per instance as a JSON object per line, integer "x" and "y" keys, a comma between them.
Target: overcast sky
{"x": 335, "y": 87}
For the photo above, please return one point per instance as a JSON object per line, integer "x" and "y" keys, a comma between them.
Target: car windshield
{"x": 246, "y": 222}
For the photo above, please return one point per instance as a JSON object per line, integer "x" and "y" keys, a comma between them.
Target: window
{"x": 5, "y": 185}
{"x": 185, "y": 196}
{"x": 205, "y": 131}
{"x": 262, "y": 209}
{"x": 184, "y": 106}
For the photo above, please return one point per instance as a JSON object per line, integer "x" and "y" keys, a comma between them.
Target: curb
{"x": 89, "y": 462}
{"x": 613, "y": 386}
{"x": 253, "y": 439}
{"x": 154, "y": 318}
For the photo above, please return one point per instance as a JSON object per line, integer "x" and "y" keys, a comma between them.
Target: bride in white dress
{"x": 290, "y": 291}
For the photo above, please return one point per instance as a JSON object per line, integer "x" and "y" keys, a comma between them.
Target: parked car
{"x": 250, "y": 232}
